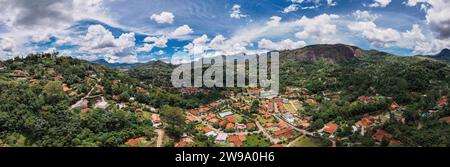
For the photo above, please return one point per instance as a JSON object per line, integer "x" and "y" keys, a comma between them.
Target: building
{"x": 225, "y": 114}
{"x": 381, "y": 135}
{"x": 185, "y": 142}
{"x": 241, "y": 126}
{"x": 101, "y": 104}
{"x": 156, "y": 120}
{"x": 221, "y": 138}
{"x": 211, "y": 134}
{"x": 191, "y": 118}
{"x": 231, "y": 119}
{"x": 2, "y": 68}
{"x": 394, "y": 105}
{"x": 82, "y": 104}
{"x": 289, "y": 118}
{"x": 65, "y": 88}
{"x": 214, "y": 104}
{"x": 237, "y": 140}
{"x": 330, "y": 128}
{"x": 100, "y": 88}
{"x": 115, "y": 97}
{"x": 135, "y": 142}
{"x": 138, "y": 110}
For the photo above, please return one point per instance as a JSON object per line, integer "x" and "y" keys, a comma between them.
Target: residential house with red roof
{"x": 231, "y": 119}
{"x": 237, "y": 140}
{"x": 394, "y": 105}
{"x": 230, "y": 126}
{"x": 214, "y": 104}
{"x": 330, "y": 128}
{"x": 382, "y": 134}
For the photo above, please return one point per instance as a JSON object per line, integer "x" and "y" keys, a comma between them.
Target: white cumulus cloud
{"x": 378, "y": 37}
{"x": 286, "y": 44}
{"x": 380, "y": 3}
{"x": 236, "y": 12}
{"x": 163, "y": 17}
{"x": 319, "y": 28}
{"x": 100, "y": 41}
{"x": 181, "y": 32}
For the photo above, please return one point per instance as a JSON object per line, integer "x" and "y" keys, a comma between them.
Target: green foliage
{"x": 175, "y": 121}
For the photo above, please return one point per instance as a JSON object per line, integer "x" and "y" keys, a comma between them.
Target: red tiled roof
{"x": 269, "y": 124}
{"x": 330, "y": 128}
{"x": 214, "y": 120}
{"x": 214, "y": 104}
{"x": 100, "y": 88}
{"x": 267, "y": 115}
{"x": 230, "y": 125}
{"x": 222, "y": 123}
{"x": 115, "y": 97}
{"x": 134, "y": 142}
{"x": 380, "y": 134}
{"x": 289, "y": 135}
{"x": 395, "y": 143}
{"x": 283, "y": 131}
{"x": 206, "y": 129}
{"x": 231, "y": 119}
{"x": 236, "y": 140}
{"x": 364, "y": 99}
{"x": 203, "y": 109}
{"x": 182, "y": 144}
{"x": 283, "y": 124}
{"x": 193, "y": 112}
{"x": 394, "y": 105}
{"x": 237, "y": 104}
{"x": 210, "y": 116}
{"x": 366, "y": 121}
{"x": 250, "y": 125}
{"x": 281, "y": 107}
{"x": 191, "y": 118}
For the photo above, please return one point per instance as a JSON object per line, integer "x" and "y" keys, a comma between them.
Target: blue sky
{"x": 129, "y": 31}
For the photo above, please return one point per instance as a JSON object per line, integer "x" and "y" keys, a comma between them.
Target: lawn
{"x": 263, "y": 121}
{"x": 306, "y": 142}
{"x": 238, "y": 118}
{"x": 147, "y": 115}
{"x": 256, "y": 141}
{"x": 289, "y": 107}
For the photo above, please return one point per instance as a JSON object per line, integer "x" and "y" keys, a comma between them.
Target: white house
{"x": 211, "y": 134}
{"x": 221, "y": 138}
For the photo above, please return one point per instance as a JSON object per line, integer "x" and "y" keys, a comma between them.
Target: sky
{"x": 130, "y": 31}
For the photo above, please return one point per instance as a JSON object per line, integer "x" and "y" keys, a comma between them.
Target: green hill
{"x": 61, "y": 101}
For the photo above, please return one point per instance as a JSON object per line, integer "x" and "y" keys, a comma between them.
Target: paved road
{"x": 159, "y": 140}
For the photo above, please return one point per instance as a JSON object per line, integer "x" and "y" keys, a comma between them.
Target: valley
{"x": 331, "y": 96}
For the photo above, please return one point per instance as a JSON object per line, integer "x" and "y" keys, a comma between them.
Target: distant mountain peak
{"x": 445, "y": 52}
{"x": 443, "y": 55}
{"x": 116, "y": 65}
{"x": 331, "y": 53}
